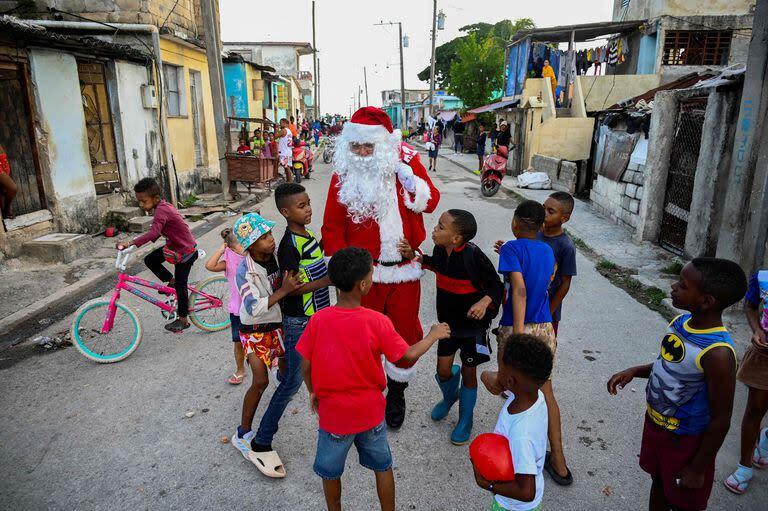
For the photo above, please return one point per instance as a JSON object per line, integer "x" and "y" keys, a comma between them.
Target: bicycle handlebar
{"x": 123, "y": 256}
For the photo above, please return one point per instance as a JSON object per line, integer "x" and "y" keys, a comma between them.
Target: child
{"x": 528, "y": 266}
{"x": 180, "y": 248}
{"x": 299, "y": 253}
{"x": 557, "y": 211}
{"x": 524, "y": 367}
{"x": 690, "y": 387}
{"x": 285, "y": 151}
{"x": 227, "y": 259}
{"x": 469, "y": 294}
{"x": 8, "y": 188}
{"x": 261, "y": 333}
{"x": 480, "y": 149}
{"x": 753, "y": 373}
{"x": 243, "y": 148}
{"x": 342, "y": 349}
{"x": 435, "y": 138}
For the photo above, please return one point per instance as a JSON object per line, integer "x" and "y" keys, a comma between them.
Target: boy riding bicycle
{"x": 180, "y": 248}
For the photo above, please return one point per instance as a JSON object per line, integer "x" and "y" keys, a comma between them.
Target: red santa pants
{"x": 400, "y": 303}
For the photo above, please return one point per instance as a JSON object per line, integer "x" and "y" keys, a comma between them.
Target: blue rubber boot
{"x": 463, "y": 429}
{"x": 450, "y": 390}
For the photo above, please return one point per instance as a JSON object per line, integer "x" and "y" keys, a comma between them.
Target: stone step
{"x": 121, "y": 217}
{"x": 58, "y": 247}
{"x": 563, "y": 112}
{"x": 140, "y": 223}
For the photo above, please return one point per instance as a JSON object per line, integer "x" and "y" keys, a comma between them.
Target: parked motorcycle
{"x": 494, "y": 169}
{"x": 328, "y": 149}
{"x": 302, "y": 160}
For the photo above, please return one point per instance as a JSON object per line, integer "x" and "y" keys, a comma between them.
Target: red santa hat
{"x": 370, "y": 125}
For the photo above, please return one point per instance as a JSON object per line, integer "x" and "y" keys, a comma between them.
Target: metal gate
{"x": 98, "y": 125}
{"x": 16, "y": 137}
{"x": 682, "y": 171}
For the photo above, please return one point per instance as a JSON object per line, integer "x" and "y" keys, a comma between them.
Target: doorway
{"x": 196, "y": 100}
{"x": 98, "y": 126}
{"x": 17, "y": 138}
{"x": 682, "y": 173}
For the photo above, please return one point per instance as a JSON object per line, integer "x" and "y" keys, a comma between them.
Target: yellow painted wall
{"x": 255, "y": 108}
{"x": 180, "y": 128}
{"x": 601, "y": 92}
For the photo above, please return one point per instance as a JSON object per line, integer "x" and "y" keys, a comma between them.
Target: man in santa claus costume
{"x": 378, "y": 192}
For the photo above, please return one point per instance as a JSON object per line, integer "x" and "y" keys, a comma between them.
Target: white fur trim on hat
{"x": 408, "y": 272}
{"x": 398, "y": 373}
{"x": 368, "y": 133}
{"x": 420, "y": 197}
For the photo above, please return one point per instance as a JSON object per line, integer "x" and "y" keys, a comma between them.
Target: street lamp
{"x": 438, "y": 23}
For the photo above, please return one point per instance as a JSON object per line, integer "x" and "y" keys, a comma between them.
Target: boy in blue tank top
{"x": 690, "y": 387}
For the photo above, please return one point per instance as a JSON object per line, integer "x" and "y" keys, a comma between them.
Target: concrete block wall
{"x": 563, "y": 174}
{"x": 620, "y": 201}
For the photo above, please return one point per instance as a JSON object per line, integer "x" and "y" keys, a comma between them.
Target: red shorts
{"x": 663, "y": 455}
{"x": 400, "y": 303}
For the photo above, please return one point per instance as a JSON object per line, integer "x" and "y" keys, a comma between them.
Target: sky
{"x": 347, "y": 39}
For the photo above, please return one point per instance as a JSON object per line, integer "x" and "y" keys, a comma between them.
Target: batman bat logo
{"x": 672, "y": 348}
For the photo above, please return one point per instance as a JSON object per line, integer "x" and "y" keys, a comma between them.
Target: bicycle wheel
{"x": 201, "y": 313}
{"x": 105, "y": 348}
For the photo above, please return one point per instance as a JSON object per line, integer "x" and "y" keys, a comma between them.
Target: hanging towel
{"x": 613, "y": 53}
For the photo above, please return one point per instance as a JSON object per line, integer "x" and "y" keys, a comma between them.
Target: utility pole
{"x": 314, "y": 59}
{"x": 365, "y": 79}
{"x": 432, "y": 61}
{"x": 216, "y": 74}
{"x": 359, "y": 94}
{"x": 402, "y": 69}
{"x": 318, "y": 88}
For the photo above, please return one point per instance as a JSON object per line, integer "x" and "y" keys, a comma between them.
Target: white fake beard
{"x": 366, "y": 184}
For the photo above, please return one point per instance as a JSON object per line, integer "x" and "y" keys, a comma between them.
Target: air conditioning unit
{"x": 148, "y": 96}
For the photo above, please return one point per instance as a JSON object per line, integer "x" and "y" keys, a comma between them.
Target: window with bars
{"x": 696, "y": 47}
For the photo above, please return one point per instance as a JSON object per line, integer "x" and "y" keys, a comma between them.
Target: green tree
{"x": 445, "y": 54}
{"x": 477, "y": 72}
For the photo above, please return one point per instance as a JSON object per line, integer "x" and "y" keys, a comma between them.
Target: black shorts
{"x": 474, "y": 350}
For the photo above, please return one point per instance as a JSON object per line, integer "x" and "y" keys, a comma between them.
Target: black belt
{"x": 389, "y": 263}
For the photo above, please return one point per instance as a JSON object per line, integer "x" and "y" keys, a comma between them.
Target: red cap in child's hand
{"x": 490, "y": 454}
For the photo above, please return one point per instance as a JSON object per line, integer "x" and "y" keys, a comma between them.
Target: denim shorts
{"x": 372, "y": 448}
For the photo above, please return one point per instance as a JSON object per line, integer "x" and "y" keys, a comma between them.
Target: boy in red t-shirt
{"x": 342, "y": 348}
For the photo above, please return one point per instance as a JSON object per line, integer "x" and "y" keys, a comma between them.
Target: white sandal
{"x": 268, "y": 463}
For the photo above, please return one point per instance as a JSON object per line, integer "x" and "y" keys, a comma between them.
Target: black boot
{"x": 395, "y": 411}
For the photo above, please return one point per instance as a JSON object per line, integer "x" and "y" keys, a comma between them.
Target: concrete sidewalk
{"x": 36, "y": 294}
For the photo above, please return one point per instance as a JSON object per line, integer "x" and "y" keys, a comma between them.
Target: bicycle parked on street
{"x": 109, "y": 331}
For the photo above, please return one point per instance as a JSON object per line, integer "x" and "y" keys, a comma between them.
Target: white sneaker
{"x": 243, "y": 444}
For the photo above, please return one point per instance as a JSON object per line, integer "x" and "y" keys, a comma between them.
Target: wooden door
{"x": 16, "y": 136}
{"x": 98, "y": 125}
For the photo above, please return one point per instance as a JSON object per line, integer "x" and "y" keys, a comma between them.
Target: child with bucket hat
{"x": 261, "y": 288}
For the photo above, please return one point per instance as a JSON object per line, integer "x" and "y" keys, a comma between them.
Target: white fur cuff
{"x": 420, "y": 197}
{"x": 398, "y": 373}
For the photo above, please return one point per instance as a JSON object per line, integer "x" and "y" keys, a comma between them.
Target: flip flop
{"x": 235, "y": 379}
{"x": 562, "y": 481}
{"x": 268, "y": 463}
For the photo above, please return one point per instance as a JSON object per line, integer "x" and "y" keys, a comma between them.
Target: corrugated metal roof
{"x": 493, "y": 106}
{"x": 24, "y": 32}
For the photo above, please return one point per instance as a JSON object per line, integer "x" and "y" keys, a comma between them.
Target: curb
{"x": 16, "y": 327}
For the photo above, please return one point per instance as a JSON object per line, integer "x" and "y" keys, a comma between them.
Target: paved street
{"x": 78, "y": 435}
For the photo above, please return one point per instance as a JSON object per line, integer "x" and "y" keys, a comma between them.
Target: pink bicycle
{"x": 108, "y": 331}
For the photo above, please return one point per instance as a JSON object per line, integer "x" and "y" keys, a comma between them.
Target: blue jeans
{"x": 293, "y": 328}
{"x": 372, "y": 449}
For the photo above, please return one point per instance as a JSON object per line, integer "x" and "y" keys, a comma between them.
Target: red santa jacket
{"x": 381, "y": 238}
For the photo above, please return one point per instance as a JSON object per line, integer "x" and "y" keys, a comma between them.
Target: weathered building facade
{"x": 115, "y": 91}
